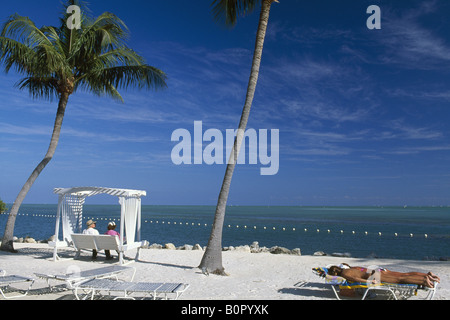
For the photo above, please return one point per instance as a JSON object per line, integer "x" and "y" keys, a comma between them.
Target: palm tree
{"x": 3, "y": 207}
{"x": 58, "y": 61}
{"x": 229, "y": 10}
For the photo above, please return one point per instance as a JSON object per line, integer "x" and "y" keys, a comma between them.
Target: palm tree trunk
{"x": 7, "y": 242}
{"x": 212, "y": 259}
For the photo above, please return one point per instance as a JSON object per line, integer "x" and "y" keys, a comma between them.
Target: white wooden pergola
{"x": 70, "y": 215}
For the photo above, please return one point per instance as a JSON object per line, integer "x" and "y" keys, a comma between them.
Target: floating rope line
{"x": 245, "y": 227}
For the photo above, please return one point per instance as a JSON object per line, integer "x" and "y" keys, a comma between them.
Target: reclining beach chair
{"x": 126, "y": 289}
{"x": 396, "y": 291}
{"x": 7, "y": 281}
{"x": 75, "y": 277}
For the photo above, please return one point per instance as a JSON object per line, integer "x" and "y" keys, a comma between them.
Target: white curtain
{"x": 129, "y": 207}
{"x": 71, "y": 210}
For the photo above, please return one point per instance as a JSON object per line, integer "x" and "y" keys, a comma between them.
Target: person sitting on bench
{"x": 91, "y": 224}
{"x": 111, "y": 232}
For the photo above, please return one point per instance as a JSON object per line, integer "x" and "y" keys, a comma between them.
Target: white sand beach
{"x": 252, "y": 276}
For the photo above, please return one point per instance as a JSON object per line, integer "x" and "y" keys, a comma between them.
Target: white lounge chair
{"x": 75, "y": 277}
{"x": 7, "y": 281}
{"x": 396, "y": 291}
{"x": 126, "y": 289}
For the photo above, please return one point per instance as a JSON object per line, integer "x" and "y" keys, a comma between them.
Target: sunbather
{"x": 360, "y": 274}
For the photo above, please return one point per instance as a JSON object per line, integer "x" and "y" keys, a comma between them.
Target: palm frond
{"x": 28, "y": 48}
{"x": 105, "y": 33}
{"x": 40, "y": 87}
{"x": 94, "y": 58}
{"x": 106, "y": 89}
{"x": 24, "y": 30}
{"x": 227, "y": 11}
{"x": 14, "y": 53}
{"x": 123, "y": 77}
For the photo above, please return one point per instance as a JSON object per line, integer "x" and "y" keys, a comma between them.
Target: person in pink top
{"x": 111, "y": 229}
{"x": 112, "y": 232}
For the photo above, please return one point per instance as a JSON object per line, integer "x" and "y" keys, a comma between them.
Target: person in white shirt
{"x": 91, "y": 230}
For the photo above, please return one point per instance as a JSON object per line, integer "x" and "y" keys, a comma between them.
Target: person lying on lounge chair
{"x": 360, "y": 274}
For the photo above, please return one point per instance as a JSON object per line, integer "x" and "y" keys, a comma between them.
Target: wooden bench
{"x": 102, "y": 242}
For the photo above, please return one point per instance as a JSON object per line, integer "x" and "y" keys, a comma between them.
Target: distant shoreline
{"x": 253, "y": 248}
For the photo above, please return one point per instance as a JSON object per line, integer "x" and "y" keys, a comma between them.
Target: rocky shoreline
{"x": 252, "y": 248}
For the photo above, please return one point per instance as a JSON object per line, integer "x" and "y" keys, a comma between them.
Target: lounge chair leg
{"x": 48, "y": 284}
{"x": 138, "y": 254}
{"x": 431, "y": 291}
{"x": 18, "y": 296}
{"x": 55, "y": 255}
{"x": 1, "y": 292}
{"x": 335, "y": 292}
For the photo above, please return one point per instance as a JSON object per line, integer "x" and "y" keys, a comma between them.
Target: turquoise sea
{"x": 385, "y": 232}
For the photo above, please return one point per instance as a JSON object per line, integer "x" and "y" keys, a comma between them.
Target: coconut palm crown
{"x": 58, "y": 61}
{"x": 55, "y": 60}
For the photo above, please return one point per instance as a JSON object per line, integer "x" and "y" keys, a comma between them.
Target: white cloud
{"x": 410, "y": 44}
{"x": 400, "y": 130}
{"x": 418, "y": 149}
{"x": 33, "y": 130}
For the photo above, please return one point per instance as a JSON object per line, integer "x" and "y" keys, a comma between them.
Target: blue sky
{"x": 362, "y": 114}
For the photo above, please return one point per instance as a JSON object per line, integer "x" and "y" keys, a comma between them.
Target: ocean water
{"x": 386, "y": 232}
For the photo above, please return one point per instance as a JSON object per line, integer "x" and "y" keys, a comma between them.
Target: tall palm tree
{"x": 228, "y": 11}
{"x": 58, "y": 61}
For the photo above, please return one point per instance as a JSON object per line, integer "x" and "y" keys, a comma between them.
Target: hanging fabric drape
{"x": 71, "y": 215}
{"x": 129, "y": 214}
